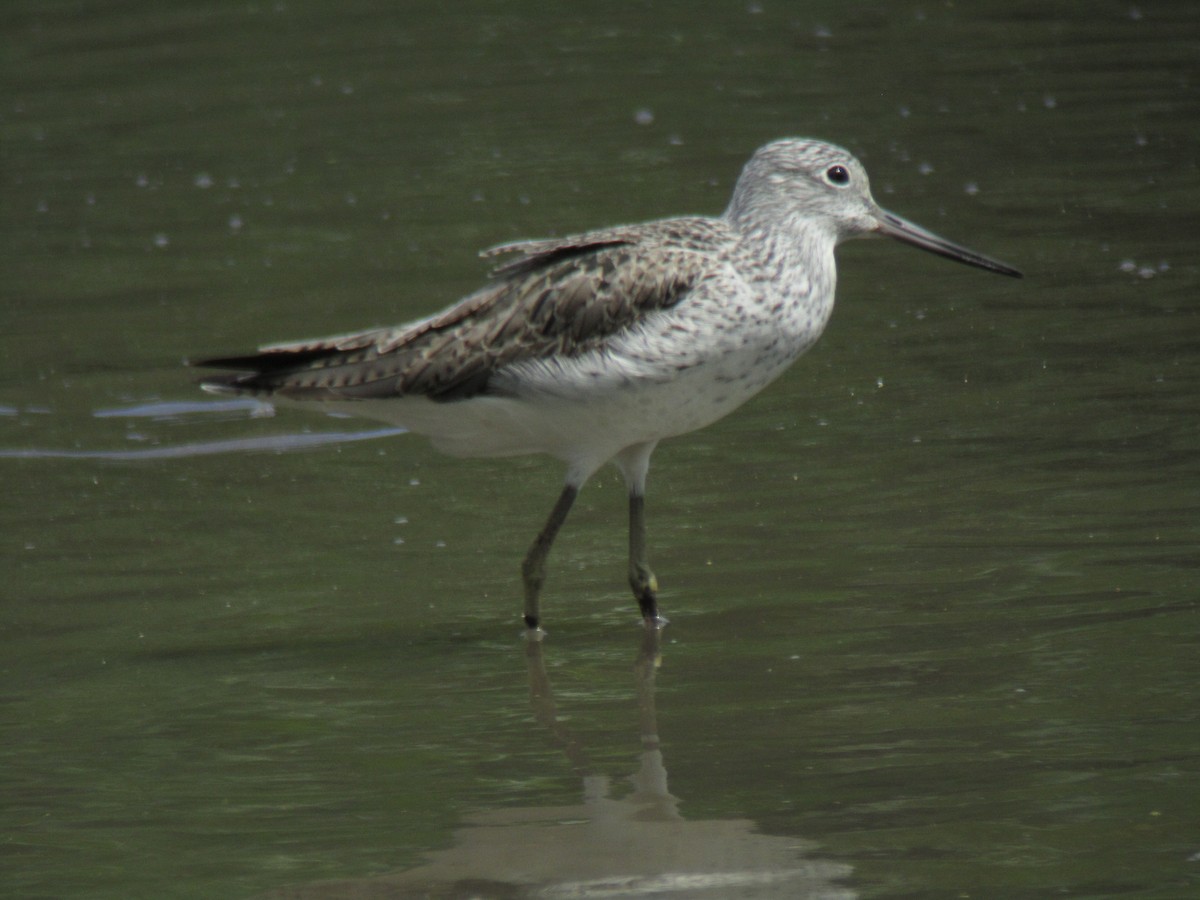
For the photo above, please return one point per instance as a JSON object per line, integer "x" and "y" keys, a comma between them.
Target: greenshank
{"x": 594, "y": 347}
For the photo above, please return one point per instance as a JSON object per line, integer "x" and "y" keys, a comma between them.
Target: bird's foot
{"x": 645, "y": 589}
{"x": 643, "y": 581}
{"x": 533, "y": 631}
{"x": 655, "y": 622}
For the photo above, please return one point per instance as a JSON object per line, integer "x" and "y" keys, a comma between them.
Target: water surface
{"x": 933, "y": 594}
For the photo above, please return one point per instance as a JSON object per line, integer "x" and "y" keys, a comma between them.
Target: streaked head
{"x": 822, "y": 186}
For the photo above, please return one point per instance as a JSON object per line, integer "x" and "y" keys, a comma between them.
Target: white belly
{"x": 674, "y": 374}
{"x": 584, "y": 428}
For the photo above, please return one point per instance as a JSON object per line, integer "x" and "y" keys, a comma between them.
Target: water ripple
{"x": 274, "y": 442}
{"x": 175, "y": 410}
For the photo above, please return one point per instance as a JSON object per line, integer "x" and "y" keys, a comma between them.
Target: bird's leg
{"x": 634, "y": 462}
{"x": 641, "y": 579}
{"x": 533, "y": 569}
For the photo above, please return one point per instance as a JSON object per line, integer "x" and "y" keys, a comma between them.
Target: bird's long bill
{"x": 903, "y": 230}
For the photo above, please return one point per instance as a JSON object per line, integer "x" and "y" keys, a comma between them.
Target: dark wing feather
{"x": 559, "y": 297}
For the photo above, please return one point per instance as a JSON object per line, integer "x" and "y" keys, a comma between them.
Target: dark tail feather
{"x": 258, "y": 373}
{"x": 338, "y": 373}
{"x": 265, "y": 362}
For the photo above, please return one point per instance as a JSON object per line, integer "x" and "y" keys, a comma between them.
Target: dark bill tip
{"x": 902, "y": 230}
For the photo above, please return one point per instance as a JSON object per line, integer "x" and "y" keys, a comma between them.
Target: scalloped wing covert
{"x": 560, "y": 297}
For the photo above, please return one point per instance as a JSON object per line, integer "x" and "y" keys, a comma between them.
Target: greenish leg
{"x": 533, "y": 570}
{"x": 641, "y": 579}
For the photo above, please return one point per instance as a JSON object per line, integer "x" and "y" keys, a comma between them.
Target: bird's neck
{"x": 792, "y": 258}
{"x": 799, "y": 247}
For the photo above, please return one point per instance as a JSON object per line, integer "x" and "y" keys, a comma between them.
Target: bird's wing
{"x": 559, "y": 297}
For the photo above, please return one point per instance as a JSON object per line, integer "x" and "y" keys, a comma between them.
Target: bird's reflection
{"x": 635, "y": 846}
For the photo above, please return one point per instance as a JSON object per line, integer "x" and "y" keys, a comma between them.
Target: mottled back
{"x": 558, "y": 298}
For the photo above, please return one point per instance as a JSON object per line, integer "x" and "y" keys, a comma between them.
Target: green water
{"x": 934, "y": 594}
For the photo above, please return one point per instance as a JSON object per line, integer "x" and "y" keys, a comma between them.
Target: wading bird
{"x": 592, "y": 348}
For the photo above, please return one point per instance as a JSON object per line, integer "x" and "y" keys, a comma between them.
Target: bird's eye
{"x": 837, "y": 175}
